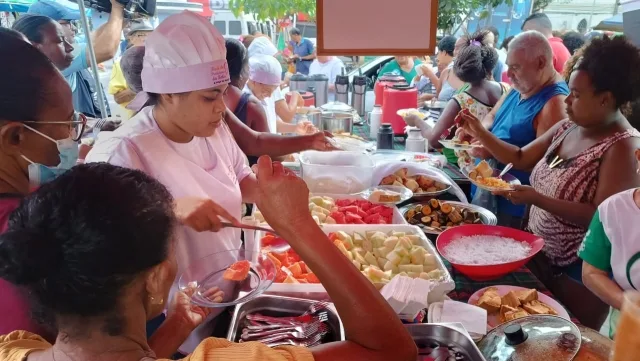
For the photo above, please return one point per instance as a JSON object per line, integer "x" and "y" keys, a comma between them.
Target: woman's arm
{"x": 617, "y": 170}
{"x": 287, "y": 111}
{"x": 522, "y": 158}
{"x": 443, "y": 78}
{"x": 598, "y": 282}
{"x": 373, "y": 330}
{"x": 248, "y": 188}
{"x": 260, "y": 143}
{"x": 446, "y": 121}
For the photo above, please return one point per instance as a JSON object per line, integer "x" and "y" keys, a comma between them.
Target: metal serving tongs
{"x": 280, "y": 248}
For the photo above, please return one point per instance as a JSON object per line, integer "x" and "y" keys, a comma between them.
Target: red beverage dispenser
{"x": 395, "y": 98}
{"x": 384, "y": 81}
{"x": 309, "y": 99}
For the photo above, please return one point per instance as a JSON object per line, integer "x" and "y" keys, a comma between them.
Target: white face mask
{"x": 40, "y": 174}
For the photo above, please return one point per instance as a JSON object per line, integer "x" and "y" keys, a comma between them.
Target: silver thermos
{"x": 358, "y": 94}
{"x": 342, "y": 88}
{"x": 298, "y": 82}
{"x": 321, "y": 84}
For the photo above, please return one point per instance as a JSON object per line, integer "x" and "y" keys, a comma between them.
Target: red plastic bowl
{"x": 488, "y": 272}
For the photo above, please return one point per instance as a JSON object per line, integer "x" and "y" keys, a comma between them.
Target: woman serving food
{"x": 577, "y": 164}
{"x": 183, "y": 141}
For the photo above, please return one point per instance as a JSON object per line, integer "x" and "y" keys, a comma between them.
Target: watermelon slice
{"x": 237, "y": 271}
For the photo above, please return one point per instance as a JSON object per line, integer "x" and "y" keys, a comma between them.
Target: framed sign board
{"x": 376, "y": 27}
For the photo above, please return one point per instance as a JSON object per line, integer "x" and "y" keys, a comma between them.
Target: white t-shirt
{"x": 269, "y": 105}
{"x": 211, "y": 167}
{"x": 330, "y": 69}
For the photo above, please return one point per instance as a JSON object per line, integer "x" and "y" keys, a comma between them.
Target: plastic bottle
{"x": 374, "y": 121}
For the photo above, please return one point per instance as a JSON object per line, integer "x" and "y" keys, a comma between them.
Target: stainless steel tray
{"x": 279, "y": 306}
{"x": 486, "y": 216}
{"x": 453, "y": 336}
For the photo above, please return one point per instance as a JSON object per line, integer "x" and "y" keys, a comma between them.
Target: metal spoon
{"x": 505, "y": 170}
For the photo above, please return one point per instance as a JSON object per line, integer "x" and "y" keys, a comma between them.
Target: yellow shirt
{"x": 118, "y": 83}
{"x": 17, "y": 345}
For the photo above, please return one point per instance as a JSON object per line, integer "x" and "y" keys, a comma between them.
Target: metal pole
{"x": 92, "y": 58}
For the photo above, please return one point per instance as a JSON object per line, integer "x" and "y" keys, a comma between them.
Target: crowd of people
{"x": 93, "y": 249}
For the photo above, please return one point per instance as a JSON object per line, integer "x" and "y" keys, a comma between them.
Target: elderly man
{"x": 534, "y": 104}
{"x": 303, "y": 51}
{"x": 331, "y": 67}
{"x": 540, "y": 22}
{"x": 106, "y": 41}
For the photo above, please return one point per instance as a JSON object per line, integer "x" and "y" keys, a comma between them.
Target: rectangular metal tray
{"x": 445, "y": 334}
{"x": 279, "y": 306}
{"x": 317, "y": 291}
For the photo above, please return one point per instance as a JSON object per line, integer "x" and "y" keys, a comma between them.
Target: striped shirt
{"x": 574, "y": 180}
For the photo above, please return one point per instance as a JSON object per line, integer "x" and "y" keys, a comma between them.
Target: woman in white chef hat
{"x": 264, "y": 80}
{"x": 182, "y": 140}
{"x": 286, "y": 111}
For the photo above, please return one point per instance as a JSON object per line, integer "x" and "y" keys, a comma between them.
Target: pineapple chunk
{"x": 316, "y": 219}
{"x": 430, "y": 263}
{"x": 369, "y": 234}
{"x": 343, "y": 236}
{"x": 405, "y": 242}
{"x": 359, "y": 250}
{"x": 317, "y": 209}
{"x": 358, "y": 257}
{"x": 327, "y": 204}
{"x": 401, "y": 251}
{"x": 388, "y": 274}
{"x": 415, "y": 240}
{"x": 357, "y": 238}
{"x": 318, "y": 201}
{"x": 370, "y": 259}
{"x": 398, "y": 234}
{"x": 357, "y": 264}
{"x": 321, "y": 216}
{"x": 391, "y": 242}
{"x": 348, "y": 244}
{"x": 394, "y": 258}
{"x": 405, "y": 261}
{"x": 344, "y": 251}
{"x": 417, "y": 255}
{"x": 403, "y": 274}
{"x": 414, "y": 274}
{"x": 417, "y": 268}
{"x": 374, "y": 273}
{"x": 388, "y": 266}
{"x": 367, "y": 245}
{"x": 376, "y": 252}
{"x": 382, "y": 262}
{"x": 329, "y": 220}
{"x": 384, "y": 251}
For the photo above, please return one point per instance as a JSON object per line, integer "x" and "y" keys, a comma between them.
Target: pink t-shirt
{"x": 210, "y": 167}
{"x": 15, "y": 312}
{"x": 560, "y": 53}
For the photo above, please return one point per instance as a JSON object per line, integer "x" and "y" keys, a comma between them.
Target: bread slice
{"x": 484, "y": 169}
{"x": 490, "y": 300}
{"x": 536, "y": 308}
{"x": 504, "y": 309}
{"x": 518, "y": 313}
{"x": 511, "y": 299}
{"x": 527, "y": 296}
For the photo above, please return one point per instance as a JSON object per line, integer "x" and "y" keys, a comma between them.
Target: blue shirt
{"x": 305, "y": 48}
{"x": 83, "y": 85}
{"x": 514, "y": 124}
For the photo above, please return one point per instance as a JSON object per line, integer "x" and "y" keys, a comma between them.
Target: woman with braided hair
{"x": 474, "y": 65}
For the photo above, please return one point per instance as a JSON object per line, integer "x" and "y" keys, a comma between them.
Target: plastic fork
{"x": 302, "y": 330}
{"x": 295, "y": 321}
{"x": 289, "y": 342}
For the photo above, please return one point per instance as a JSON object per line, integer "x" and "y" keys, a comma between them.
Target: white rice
{"x": 485, "y": 250}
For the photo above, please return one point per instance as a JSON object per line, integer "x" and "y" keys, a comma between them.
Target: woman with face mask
{"x": 38, "y": 141}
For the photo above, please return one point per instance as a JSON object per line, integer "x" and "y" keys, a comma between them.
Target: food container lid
{"x": 318, "y": 77}
{"x": 337, "y": 107}
{"x": 539, "y": 337}
{"x": 392, "y": 78}
{"x": 298, "y": 77}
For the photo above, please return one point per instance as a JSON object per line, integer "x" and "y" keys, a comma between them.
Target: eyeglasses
{"x": 78, "y": 125}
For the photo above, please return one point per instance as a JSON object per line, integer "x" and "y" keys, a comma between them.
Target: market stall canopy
{"x": 613, "y": 23}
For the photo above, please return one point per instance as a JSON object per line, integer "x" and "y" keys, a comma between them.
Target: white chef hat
{"x": 262, "y": 46}
{"x": 265, "y": 69}
{"x": 184, "y": 53}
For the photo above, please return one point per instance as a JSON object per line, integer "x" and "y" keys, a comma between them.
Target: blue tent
{"x": 19, "y": 6}
{"x": 613, "y": 23}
